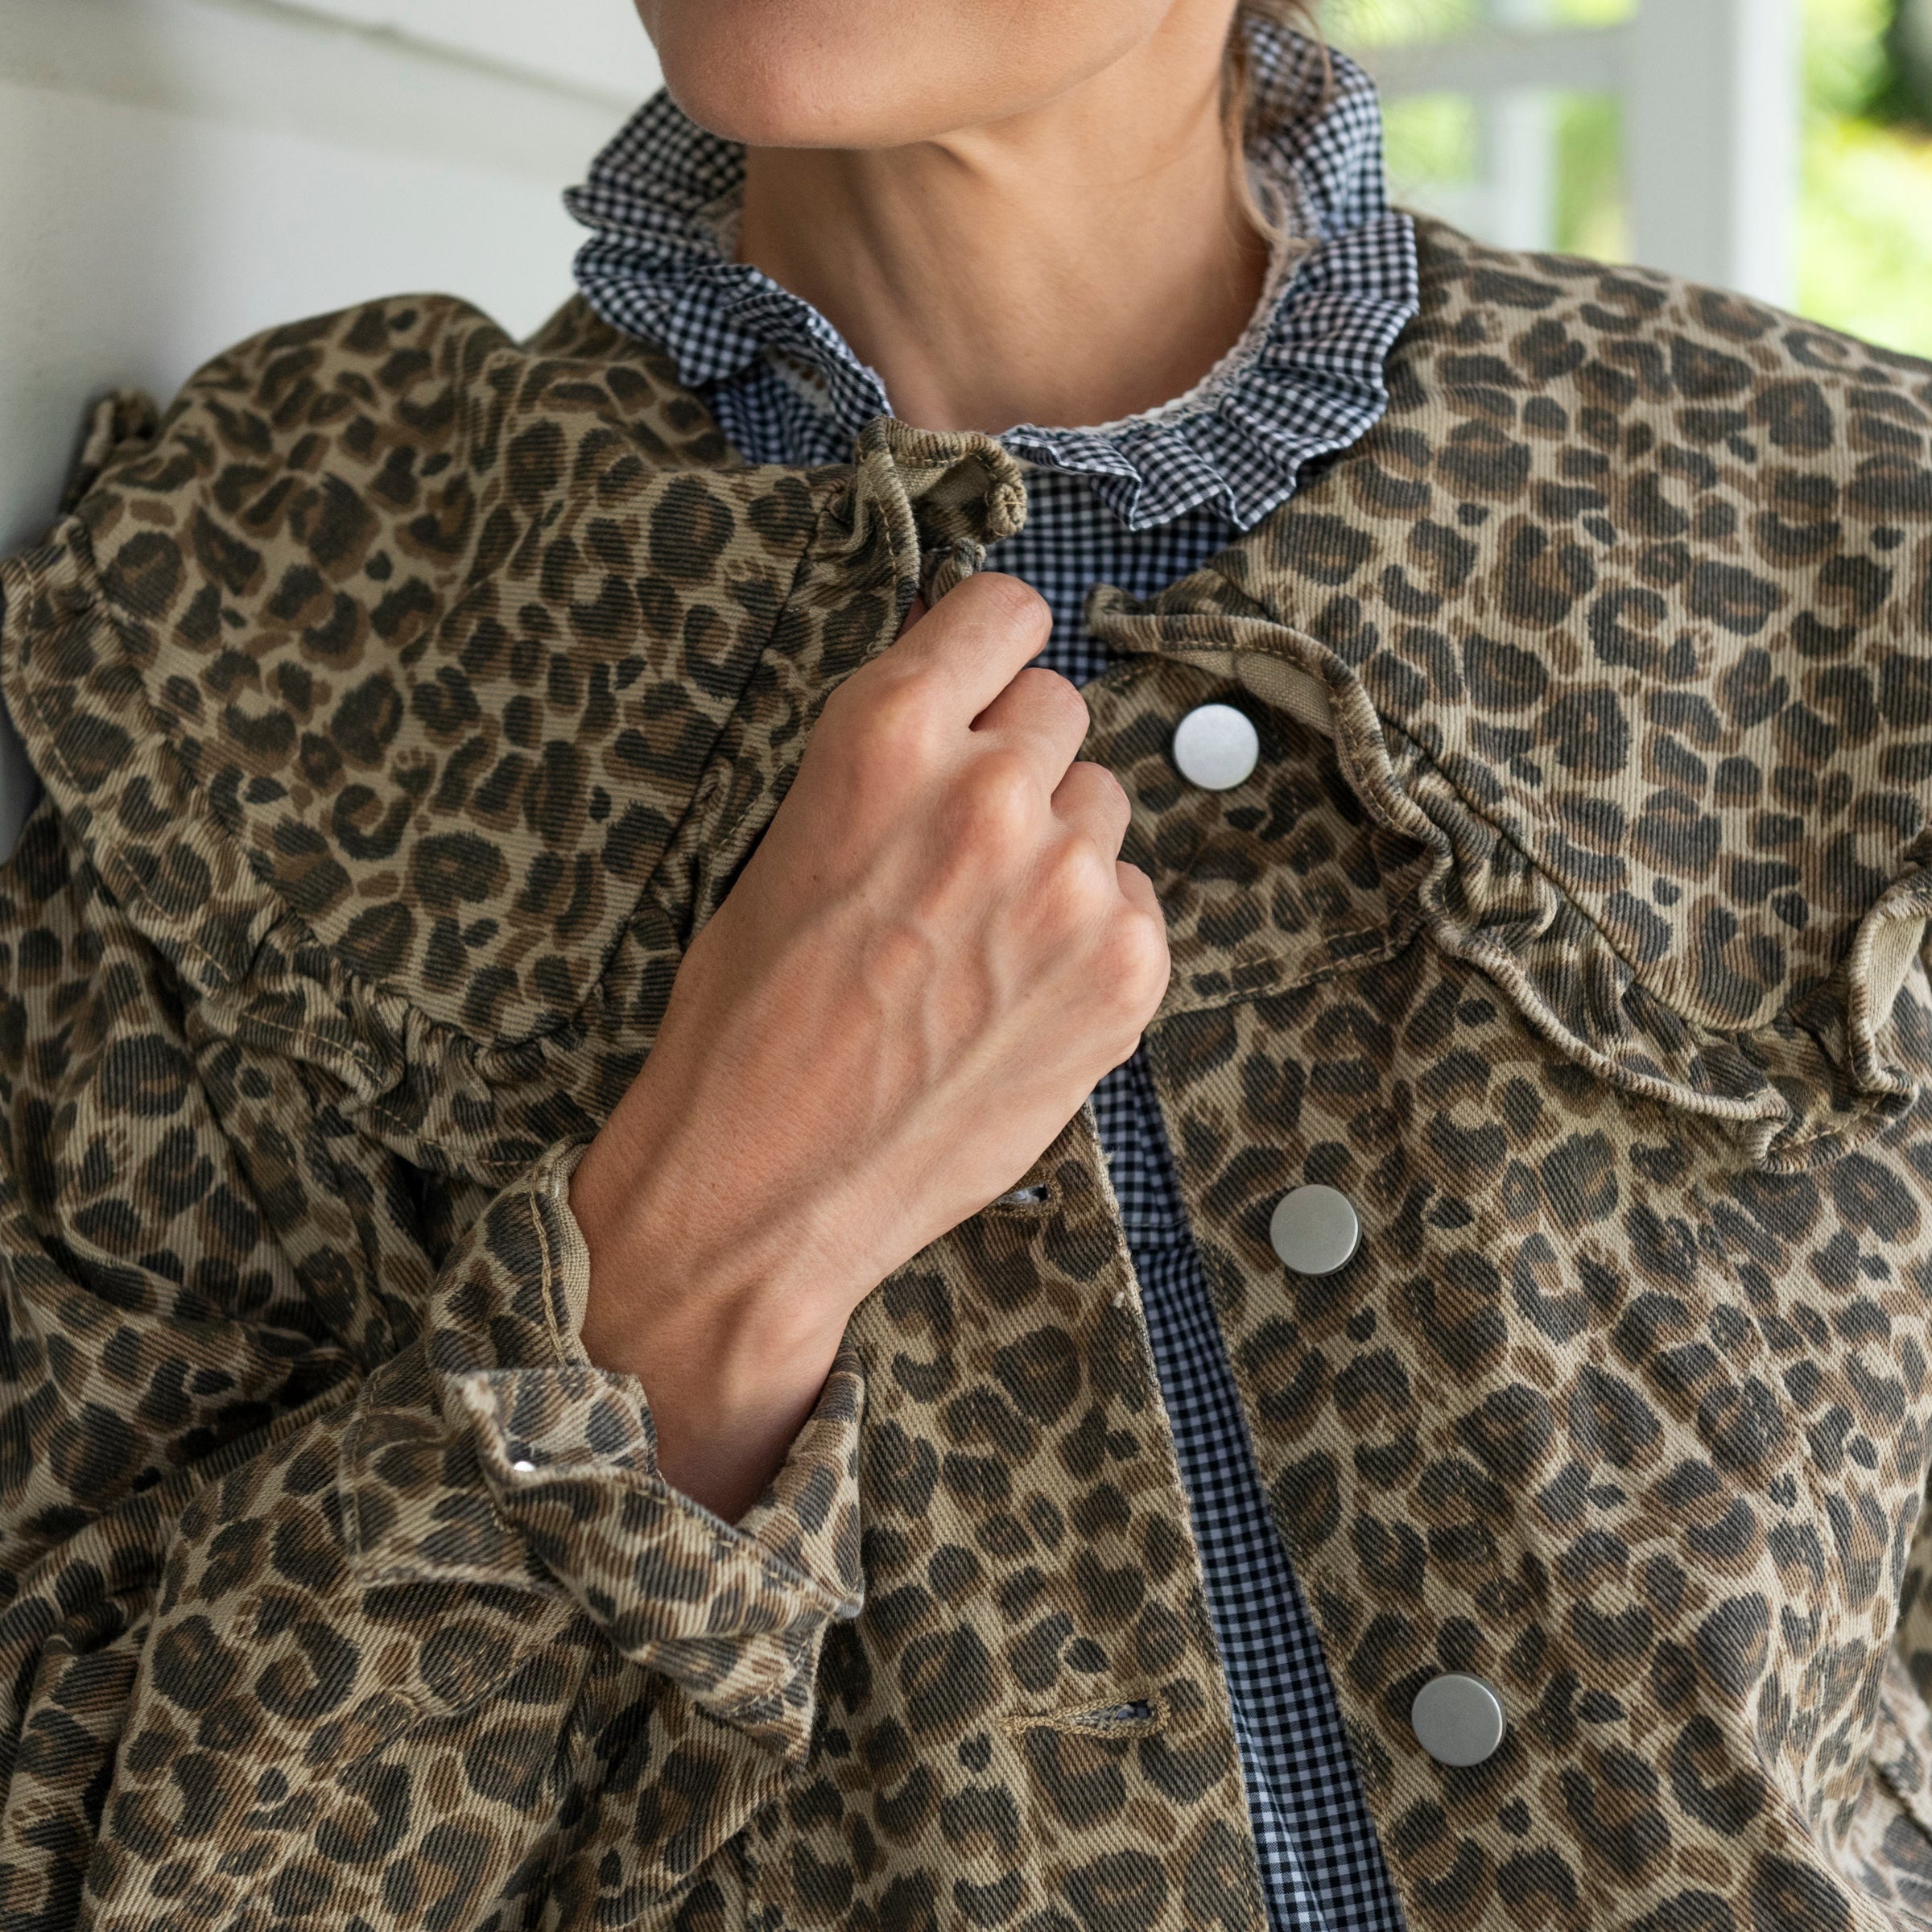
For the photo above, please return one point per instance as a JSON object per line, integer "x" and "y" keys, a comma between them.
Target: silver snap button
{"x": 524, "y": 1466}
{"x": 1216, "y": 747}
{"x": 1314, "y": 1230}
{"x": 1458, "y": 1721}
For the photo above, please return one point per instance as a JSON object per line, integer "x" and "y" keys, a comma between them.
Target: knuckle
{"x": 1008, "y": 600}
{"x": 891, "y": 719}
{"x": 1135, "y": 964}
{"x": 1064, "y": 697}
{"x": 1079, "y": 876}
{"x": 1048, "y": 691}
{"x": 1107, "y": 787}
{"x": 998, "y": 798}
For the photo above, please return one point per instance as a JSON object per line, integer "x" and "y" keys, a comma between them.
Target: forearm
{"x": 932, "y": 956}
{"x": 731, "y": 1358}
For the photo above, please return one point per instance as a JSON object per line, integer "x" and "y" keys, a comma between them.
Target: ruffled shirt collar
{"x": 1306, "y": 378}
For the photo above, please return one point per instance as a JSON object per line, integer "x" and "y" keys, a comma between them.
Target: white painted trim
{"x": 1710, "y": 89}
{"x": 1504, "y": 61}
{"x": 1711, "y": 140}
{"x": 273, "y": 64}
{"x": 599, "y": 44}
{"x": 1518, "y": 133}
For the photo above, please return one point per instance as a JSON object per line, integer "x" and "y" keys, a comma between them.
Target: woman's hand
{"x": 933, "y": 955}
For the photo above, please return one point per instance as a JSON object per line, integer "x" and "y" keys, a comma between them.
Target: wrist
{"x": 731, "y": 1354}
{"x": 665, "y": 1273}
{"x": 727, "y": 1389}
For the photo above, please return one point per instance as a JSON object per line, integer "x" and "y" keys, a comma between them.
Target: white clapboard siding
{"x": 597, "y": 44}
{"x": 176, "y": 175}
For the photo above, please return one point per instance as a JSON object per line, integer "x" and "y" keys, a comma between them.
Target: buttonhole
{"x": 1122, "y": 1721}
{"x": 1117, "y": 1722}
{"x": 1024, "y": 1197}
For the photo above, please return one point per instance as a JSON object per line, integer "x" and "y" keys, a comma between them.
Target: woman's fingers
{"x": 968, "y": 649}
{"x": 1041, "y": 715}
{"x": 1090, "y": 800}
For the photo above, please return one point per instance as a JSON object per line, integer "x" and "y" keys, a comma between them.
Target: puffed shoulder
{"x": 416, "y": 634}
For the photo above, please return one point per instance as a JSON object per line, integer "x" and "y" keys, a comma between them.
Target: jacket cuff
{"x": 562, "y": 1456}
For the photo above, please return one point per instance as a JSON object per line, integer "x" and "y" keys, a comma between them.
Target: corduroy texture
{"x": 406, "y": 699}
{"x": 1306, "y": 379}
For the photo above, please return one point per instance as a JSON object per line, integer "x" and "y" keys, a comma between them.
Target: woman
{"x": 574, "y": 1357}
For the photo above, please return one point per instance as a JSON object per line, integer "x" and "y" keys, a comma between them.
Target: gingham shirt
{"x": 1136, "y": 504}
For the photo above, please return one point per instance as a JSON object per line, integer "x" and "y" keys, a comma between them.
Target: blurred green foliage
{"x": 1865, "y": 237}
{"x": 1864, "y": 218}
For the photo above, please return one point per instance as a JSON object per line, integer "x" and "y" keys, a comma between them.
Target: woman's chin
{"x": 783, "y": 117}
{"x": 879, "y": 73}
{"x": 750, "y": 73}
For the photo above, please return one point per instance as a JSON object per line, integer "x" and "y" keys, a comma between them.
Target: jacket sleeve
{"x": 387, "y": 693}
{"x": 259, "y": 1520}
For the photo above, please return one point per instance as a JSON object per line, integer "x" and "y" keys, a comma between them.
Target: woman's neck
{"x": 1081, "y": 262}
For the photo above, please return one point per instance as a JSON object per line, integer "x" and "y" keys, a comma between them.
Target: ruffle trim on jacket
{"x": 96, "y": 691}
{"x": 1837, "y": 1060}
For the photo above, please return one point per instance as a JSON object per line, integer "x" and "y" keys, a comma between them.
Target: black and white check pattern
{"x": 1306, "y": 378}
{"x": 1137, "y": 505}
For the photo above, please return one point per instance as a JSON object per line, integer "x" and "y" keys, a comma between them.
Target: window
{"x": 1660, "y": 131}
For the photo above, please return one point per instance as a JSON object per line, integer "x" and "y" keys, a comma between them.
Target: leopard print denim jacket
{"x": 406, "y": 698}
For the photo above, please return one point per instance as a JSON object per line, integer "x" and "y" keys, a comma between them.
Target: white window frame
{"x": 1711, "y": 116}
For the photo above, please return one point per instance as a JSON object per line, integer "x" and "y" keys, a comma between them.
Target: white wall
{"x": 177, "y": 174}
{"x": 590, "y": 44}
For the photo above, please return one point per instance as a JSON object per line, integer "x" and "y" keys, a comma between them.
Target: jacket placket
{"x": 1031, "y": 1714}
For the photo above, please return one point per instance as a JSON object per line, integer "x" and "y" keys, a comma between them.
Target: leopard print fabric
{"x": 407, "y": 697}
